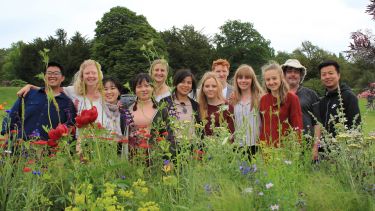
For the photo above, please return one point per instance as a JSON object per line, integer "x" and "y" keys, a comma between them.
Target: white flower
{"x": 269, "y": 185}
{"x": 248, "y": 190}
{"x": 260, "y": 193}
{"x": 8, "y": 151}
{"x": 288, "y": 162}
{"x": 275, "y": 207}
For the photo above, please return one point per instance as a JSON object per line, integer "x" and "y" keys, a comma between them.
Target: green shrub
{"x": 18, "y": 83}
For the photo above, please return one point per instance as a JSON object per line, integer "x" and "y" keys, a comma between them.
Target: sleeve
{"x": 352, "y": 112}
{"x": 295, "y": 114}
{"x": 12, "y": 118}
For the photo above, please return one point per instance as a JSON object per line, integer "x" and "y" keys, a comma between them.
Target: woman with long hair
{"x": 280, "y": 108}
{"x": 213, "y": 106}
{"x": 159, "y": 73}
{"x": 245, "y": 99}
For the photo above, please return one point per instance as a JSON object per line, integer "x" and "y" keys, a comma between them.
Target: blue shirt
{"x": 36, "y": 115}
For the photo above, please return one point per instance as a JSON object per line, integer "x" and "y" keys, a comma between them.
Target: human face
{"x": 185, "y": 86}
{"x": 292, "y": 76}
{"x": 53, "y": 77}
{"x": 111, "y": 93}
{"x": 244, "y": 82}
{"x": 210, "y": 89}
{"x": 329, "y": 77}
{"x": 222, "y": 73}
{"x": 272, "y": 79}
{"x": 159, "y": 73}
{"x": 90, "y": 75}
{"x": 143, "y": 91}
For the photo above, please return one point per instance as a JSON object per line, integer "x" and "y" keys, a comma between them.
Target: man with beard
{"x": 294, "y": 74}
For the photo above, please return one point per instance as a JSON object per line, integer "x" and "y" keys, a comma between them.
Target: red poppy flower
{"x": 123, "y": 141}
{"x": 100, "y": 126}
{"x": 2, "y": 139}
{"x": 147, "y": 135}
{"x": 26, "y": 169}
{"x": 39, "y": 142}
{"x": 144, "y": 145}
{"x": 52, "y": 143}
{"x": 62, "y": 129}
{"x": 30, "y": 162}
{"x": 3, "y": 145}
{"x": 86, "y": 117}
{"x": 165, "y": 133}
{"x": 54, "y": 134}
{"x": 158, "y": 139}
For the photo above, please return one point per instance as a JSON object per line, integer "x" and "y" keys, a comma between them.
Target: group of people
{"x": 250, "y": 113}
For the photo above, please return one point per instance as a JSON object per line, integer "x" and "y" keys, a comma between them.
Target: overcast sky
{"x": 286, "y": 23}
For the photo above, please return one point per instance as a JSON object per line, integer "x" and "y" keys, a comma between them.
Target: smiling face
{"x": 111, "y": 93}
{"x": 143, "y": 90}
{"x": 211, "y": 89}
{"x": 90, "y": 75}
{"x": 292, "y": 76}
{"x": 222, "y": 73}
{"x": 330, "y": 77}
{"x": 244, "y": 82}
{"x": 272, "y": 79}
{"x": 185, "y": 86}
{"x": 54, "y": 77}
{"x": 159, "y": 73}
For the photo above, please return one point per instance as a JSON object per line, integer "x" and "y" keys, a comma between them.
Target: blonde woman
{"x": 212, "y": 105}
{"x": 159, "y": 74}
{"x": 245, "y": 99}
{"x": 86, "y": 89}
{"x": 280, "y": 108}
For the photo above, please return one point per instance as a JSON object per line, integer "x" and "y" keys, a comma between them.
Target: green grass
{"x": 8, "y": 95}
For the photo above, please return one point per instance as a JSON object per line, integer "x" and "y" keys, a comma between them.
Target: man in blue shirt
{"x": 39, "y": 111}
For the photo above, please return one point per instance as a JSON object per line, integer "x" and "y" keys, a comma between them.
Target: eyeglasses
{"x": 53, "y": 73}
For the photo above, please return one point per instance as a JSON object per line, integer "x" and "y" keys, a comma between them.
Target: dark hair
{"x": 116, "y": 83}
{"x": 55, "y": 64}
{"x": 329, "y": 63}
{"x": 138, "y": 79}
{"x": 180, "y": 76}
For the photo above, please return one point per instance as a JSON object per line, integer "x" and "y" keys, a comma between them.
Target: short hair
{"x": 329, "y": 63}
{"x": 138, "y": 79}
{"x": 223, "y": 62}
{"x": 181, "y": 75}
{"x": 55, "y": 64}
{"x": 114, "y": 82}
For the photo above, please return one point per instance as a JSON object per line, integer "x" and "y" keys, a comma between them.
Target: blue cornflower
{"x": 123, "y": 177}
{"x": 207, "y": 188}
{"x": 7, "y": 111}
{"x": 166, "y": 162}
{"x": 245, "y": 169}
{"x": 37, "y": 173}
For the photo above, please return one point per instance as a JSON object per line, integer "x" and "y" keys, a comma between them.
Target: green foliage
{"x": 119, "y": 36}
{"x": 18, "y": 83}
{"x": 188, "y": 48}
{"x": 316, "y": 85}
{"x": 10, "y": 61}
{"x": 240, "y": 43}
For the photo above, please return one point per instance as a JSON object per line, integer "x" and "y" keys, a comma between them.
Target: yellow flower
{"x": 70, "y": 208}
{"x": 126, "y": 194}
{"x": 167, "y": 167}
{"x": 149, "y": 206}
{"x": 144, "y": 190}
{"x": 79, "y": 199}
{"x": 139, "y": 183}
{"x": 355, "y": 146}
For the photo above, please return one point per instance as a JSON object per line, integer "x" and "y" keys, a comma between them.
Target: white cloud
{"x": 286, "y": 24}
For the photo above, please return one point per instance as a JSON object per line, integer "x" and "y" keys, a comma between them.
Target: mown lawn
{"x": 8, "y": 95}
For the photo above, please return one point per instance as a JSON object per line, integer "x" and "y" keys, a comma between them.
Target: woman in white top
{"x": 245, "y": 99}
{"x": 159, "y": 74}
{"x": 86, "y": 90}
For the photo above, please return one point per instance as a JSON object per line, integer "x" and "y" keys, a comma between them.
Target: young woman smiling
{"x": 246, "y": 96}
{"x": 280, "y": 108}
{"x": 159, "y": 74}
{"x": 212, "y": 103}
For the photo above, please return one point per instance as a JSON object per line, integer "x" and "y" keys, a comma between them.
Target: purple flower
{"x": 37, "y": 173}
{"x": 8, "y": 111}
{"x": 207, "y": 188}
{"x": 166, "y": 162}
{"x": 123, "y": 177}
{"x": 245, "y": 169}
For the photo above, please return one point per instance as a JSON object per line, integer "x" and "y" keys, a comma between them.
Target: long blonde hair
{"x": 202, "y": 99}
{"x": 78, "y": 83}
{"x": 284, "y": 87}
{"x": 255, "y": 88}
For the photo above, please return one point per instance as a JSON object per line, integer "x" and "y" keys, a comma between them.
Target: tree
{"x": 241, "y": 43}
{"x": 119, "y": 35}
{"x": 188, "y": 48}
{"x": 10, "y": 60}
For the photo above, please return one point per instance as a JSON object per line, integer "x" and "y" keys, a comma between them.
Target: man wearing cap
{"x": 294, "y": 74}
{"x": 221, "y": 68}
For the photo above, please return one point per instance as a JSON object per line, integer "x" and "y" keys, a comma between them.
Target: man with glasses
{"x": 39, "y": 109}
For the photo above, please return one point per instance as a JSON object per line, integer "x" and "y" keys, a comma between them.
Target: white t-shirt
{"x": 225, "y": 91}
{"x": 83, "y": 103}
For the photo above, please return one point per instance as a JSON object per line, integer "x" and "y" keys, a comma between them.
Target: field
{"x": 212, "y": 176}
